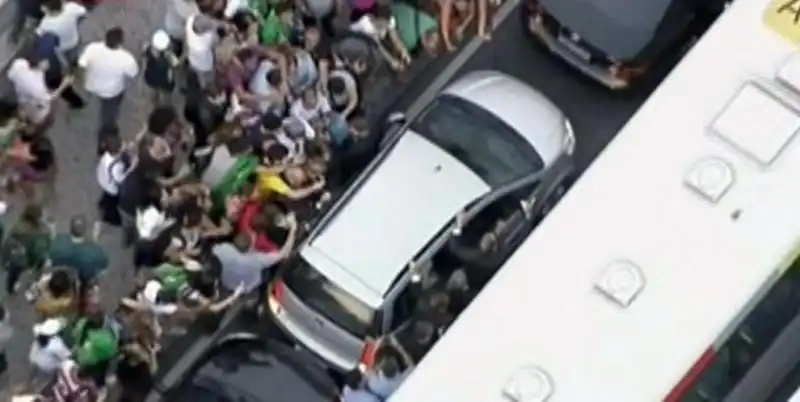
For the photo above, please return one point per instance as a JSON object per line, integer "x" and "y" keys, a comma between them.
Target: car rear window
{"x": 481, "y": 141}
{"x": 328, "y": 299}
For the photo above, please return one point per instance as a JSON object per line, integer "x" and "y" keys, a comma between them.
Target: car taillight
{"x": 277, "y": 290}
{"x": 625, "y": 72}
{"x": 692, "y": 376}
{"x": 367, "y": 359}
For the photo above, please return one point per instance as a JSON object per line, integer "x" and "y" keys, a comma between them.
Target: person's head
{"x": 242, "y": 20}
{"x": 78, "y": 226}
{"x": 242, "y": 241}
{"x": 431, "y": 42}
{"x": 60, "y": 284}
{"x": 160, "y": 41}
{"x": 285, "y": 11}
{"x": 114, "y": 38}
{"x": 52, "y": 6}
{"x": 295, "y": 176}
{"x": 274, "y": 77}
{"x": 95, "y": 320}
{"x": 193, "y": 217}
{"x": 161, "y": 120}
{"x": 111, "y": 140}
{"x": 275, "y": 153}
{"x": 387, "y": 362}
{"x": 359, "y": 127}
{"x": 46, "y": 330}
{"x": 422, "y": 331}
{"x": 32, "y": 214}
{"x": 337, "y": 86}
{"x": 311, "y": 32}
{"x": 310, "y": 98}
{"x": 353, "y": 379}
{"x": 382, "y": 16}
{"x": 359, "y": 65}
{"x": 271, "y": 123}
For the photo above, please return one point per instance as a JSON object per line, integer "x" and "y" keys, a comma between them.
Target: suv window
{"x": 403, "y": 307}
{"x": 328, "y": 299}
{"x": 481, "y": 141}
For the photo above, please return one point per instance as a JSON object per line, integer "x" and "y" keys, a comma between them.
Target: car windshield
{"x": 481, "y": 141}
{"x": 326, "y": 298}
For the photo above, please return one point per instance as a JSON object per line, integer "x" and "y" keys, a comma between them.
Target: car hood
{"x": 619, "y": 28}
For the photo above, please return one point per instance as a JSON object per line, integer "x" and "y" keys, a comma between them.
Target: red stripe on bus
{"x": 690, "y": 379}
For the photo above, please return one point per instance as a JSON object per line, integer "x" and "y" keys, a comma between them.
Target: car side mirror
{"x": 527, "y": 207}
{"x": 396, "y": 118}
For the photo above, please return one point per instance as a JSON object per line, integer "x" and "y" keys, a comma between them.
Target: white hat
{"x": 149, "y": 222}
{"x": 160, "y": 40}
{"x": 3, "y": 207}
{"x": 150, "y": 291}
{"x": 193, "y": 265}
{"x": 49, "y": 327}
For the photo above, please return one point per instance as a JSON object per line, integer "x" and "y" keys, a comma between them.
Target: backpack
{"x": 13, "y": 253}
{"x": 173, "y": 279}
{"x": 94, "y": 346}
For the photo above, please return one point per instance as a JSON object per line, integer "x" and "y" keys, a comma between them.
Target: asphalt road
{"x": 595, "y": 113}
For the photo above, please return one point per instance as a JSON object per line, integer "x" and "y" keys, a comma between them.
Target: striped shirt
{"x": 71, "y": 388}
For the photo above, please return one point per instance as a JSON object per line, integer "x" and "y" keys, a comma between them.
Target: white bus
{"x": 668, "y": 268}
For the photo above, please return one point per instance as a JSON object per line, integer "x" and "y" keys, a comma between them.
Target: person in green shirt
{"x": 416, "y": 28}
{"x": 273, "y": 21}
{"x": 95, "y": 345}
{"x": 79, "y": 252}
{"x": 26, "y": 247}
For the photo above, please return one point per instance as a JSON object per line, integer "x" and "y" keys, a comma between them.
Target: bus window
{"x": 750, "y": 340}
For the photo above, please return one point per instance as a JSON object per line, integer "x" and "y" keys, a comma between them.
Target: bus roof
{"x": 706, "y": 234}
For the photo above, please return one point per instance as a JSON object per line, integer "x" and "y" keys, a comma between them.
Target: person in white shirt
{"x": 48, "y": 351}
{"x": 310, "y": 106}
{"x": 112, "y": 168}
{"x": 175, "y": 18}
{"x": 201, "y": 38}
{"x": 107, "y": 70}
{"x": 381, "y": 26}
{"x": 27, "y": 76}
{"x": 62, "y": 19}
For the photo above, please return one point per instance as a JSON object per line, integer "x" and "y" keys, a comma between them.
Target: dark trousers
{"x": 109, "y": 112}
{"x": 13, "y": 273}
{"x": 69, "y": 95}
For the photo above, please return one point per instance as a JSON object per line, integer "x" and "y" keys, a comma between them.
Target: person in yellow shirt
{"x": 282, "y": 181}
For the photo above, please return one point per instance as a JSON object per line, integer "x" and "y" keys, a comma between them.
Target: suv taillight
{"x": 367, "y": 359}
{"x": 276, "y": 291}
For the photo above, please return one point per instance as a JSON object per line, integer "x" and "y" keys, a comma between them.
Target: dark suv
{"x": 616, "y": 41}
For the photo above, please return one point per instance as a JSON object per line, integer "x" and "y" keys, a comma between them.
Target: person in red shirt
{"x": 254, "y": 221}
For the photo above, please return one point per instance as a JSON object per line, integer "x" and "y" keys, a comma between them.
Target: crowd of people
{"x": 258, "y": 121}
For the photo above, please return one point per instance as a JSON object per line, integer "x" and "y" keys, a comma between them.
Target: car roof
{"x": 401, "y": 206}
{"x": 620, "y": 28}
{"x": 526, "y": 110}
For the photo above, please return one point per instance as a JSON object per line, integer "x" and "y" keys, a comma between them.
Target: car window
{"x": 328, "y": 299}
{"x": 403, "y": 307}
{"x": 481, "y": 141}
